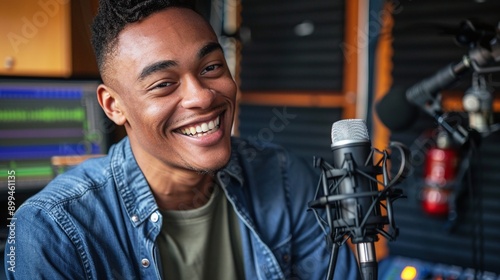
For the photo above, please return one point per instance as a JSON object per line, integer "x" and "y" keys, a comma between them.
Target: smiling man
{"x": 178, "y": 198}
{"x": 167, "y": 82}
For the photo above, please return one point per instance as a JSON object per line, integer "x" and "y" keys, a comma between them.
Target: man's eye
{"x": 211, "y": 68}
{"x": 162, "y": 85}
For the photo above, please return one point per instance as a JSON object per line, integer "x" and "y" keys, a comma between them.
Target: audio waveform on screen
{"x": 36, "y": 133}
{"x": 40, "y": 93}
{"x": 33, "y": 171}
{"x": 47, "y": 151}
{"x": 42, "y": 115}
{"x": 43, "y": 118}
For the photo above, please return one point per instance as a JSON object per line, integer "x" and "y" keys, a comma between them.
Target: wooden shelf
{"x": 48, "y": 38}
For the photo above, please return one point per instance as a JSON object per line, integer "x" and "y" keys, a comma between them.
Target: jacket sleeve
{"x": 310, "y": 254}
{"x": 39, "y": 248}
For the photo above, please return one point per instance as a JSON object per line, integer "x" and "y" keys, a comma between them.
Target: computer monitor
{"x": 40, "y": 119}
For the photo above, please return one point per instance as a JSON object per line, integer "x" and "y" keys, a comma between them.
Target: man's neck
{"x": 174, "y": 191}
{"x": 175, "y": 188}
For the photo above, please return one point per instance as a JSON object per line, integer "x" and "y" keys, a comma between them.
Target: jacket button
{"x": 135, "y": 218}
{"x": 154, "y": 217}
{"x": 145, "y": 262}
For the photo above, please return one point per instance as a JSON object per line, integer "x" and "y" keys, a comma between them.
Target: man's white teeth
{"x": 202, "y": 128}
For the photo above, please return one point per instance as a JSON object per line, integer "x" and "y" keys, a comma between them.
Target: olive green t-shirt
{"x": 202, "y": 243}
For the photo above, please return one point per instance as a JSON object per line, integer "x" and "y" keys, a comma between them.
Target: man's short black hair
{"x": 113, "y": 15}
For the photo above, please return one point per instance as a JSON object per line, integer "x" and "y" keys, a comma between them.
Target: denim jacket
{"x": 100, "y": 220}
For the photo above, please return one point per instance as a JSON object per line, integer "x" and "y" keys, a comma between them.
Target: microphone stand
{"x": 363, "y": 231}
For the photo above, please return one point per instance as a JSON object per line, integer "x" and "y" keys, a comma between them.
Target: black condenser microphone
{"x": 399, "y": 108}
{"x": 423, "y": 95}
{"x": 349, "y": 193}
{"x": 351, "y": 148}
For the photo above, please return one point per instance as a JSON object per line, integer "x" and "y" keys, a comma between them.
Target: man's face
{"x": 175, "y": 91}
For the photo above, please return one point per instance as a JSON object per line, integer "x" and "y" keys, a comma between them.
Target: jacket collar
{"x": 233, "y": 169}
{"x": 131, "y": 183}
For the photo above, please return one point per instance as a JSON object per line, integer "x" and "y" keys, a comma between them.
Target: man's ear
{"x": 110, "y": 103}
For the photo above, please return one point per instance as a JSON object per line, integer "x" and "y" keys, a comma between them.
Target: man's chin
{"x": 212, "y": 167}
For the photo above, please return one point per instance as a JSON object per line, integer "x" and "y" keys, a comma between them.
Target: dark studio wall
{"x": 291, "y": 46}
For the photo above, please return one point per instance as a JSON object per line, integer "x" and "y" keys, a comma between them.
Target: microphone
{"x": 351, "y": 149}
{"x": 399, "y": 108}
{"x": 351, "y": 197}
{"x": 424, "y": 94}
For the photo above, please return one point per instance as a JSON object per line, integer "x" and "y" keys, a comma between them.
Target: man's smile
{"x": 201, "y": 129}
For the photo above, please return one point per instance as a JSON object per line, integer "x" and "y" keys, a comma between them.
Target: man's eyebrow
{"x": 165, "y": 64}
{"x": 155, "y": 67}
{"x": 208, "y": 48}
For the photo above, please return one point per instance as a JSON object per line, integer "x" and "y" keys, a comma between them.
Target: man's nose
{"x": 196, "y": 94}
